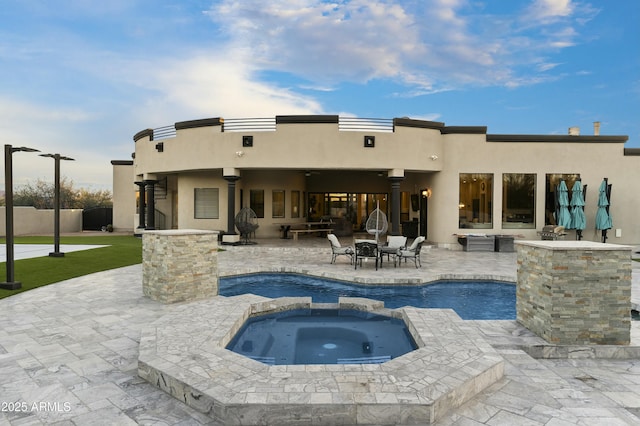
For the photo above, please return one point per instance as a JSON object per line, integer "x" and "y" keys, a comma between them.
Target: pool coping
{"x": 339, "y": 276}
{"x": 184, "y": 354}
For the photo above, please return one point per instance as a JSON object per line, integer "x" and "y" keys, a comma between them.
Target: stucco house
{"x": 431, "y": 179}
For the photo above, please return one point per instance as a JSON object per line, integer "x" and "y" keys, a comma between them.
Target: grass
{"x": 123, "y": 250}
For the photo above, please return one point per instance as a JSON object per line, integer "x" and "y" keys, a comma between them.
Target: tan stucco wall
{"x": 428, "y": 158}
{"x": 124, "y": 198}
{"x": 472, "y": 154}
{"x": 265, "y": 180}
{"x": 292, "y": 146}
{"x": 31, "y": 221}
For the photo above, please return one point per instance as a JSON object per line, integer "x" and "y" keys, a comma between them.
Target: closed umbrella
{"x": 563, "y": 217}
{"x": 603, "y": 218}
{"x": 578, "y": 219}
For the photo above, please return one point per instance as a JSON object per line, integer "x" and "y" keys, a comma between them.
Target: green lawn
{"x": 123, "y": 250}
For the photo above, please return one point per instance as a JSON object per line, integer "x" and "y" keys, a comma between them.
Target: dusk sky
{"x": 81, "y": 77}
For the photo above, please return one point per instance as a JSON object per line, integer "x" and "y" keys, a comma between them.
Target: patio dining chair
{"x": 338, "y": 250}
{"x": 394, "y": 242}
{"x": 411, "y": 253}
{"x": 366, "y": 250}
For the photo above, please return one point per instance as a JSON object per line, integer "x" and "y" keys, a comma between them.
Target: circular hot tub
{"x": 322, "y": 336}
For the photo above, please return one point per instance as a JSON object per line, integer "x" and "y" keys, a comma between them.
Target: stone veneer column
{"x": 179, "y": 265}
{"x": 575, "y": 292}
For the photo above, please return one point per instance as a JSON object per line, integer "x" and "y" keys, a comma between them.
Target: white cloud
{"x": 208, "y": 86}
{"x": 354, "y": 40}
{"x": 430, "y": 46}
{"x": 550, "y": 9}
{"x": 547, "y": 66}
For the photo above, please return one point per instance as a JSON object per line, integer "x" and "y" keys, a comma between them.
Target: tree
{"x": 98, "y": 198}
{"x": 41, "y": 195}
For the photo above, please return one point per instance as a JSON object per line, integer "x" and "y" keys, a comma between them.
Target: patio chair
{"x": 338, "y": 250}
{"x": 366, "y": 250}
{"x": 394, "y": 242}
{"x": 411, "y": 253}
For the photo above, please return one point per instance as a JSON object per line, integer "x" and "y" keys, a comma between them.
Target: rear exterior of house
{"x": 431, "y": 179}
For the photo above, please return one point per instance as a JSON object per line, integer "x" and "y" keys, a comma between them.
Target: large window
{"x": 476, "y": 201}
{"x": 518, "y": 201}
{"x": 206, "y": 203}
{"x": 256, "y": 201}
{"x": 295, "y": 203}
{"x": 277, "y": 203}
{"x": 352, "y": 207}
{"x": 551, "y": 194}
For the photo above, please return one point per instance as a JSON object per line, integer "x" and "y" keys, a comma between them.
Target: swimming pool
{"x": 470, "y": 300}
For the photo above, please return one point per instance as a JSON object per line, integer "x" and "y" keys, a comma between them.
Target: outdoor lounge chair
{"x": 364, "y": 250}
{"x": 411, "y": 253}
{"x": 338, "y": 250}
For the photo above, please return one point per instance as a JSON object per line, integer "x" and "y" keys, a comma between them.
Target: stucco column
{"x": 395, "y": 204}
{"x": 231, "y": 203}
{"x": 141, "y": 205}
{"x": 151, "y": 201}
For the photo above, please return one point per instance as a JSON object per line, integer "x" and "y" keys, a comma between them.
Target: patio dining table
{"x": 382, "y": 249}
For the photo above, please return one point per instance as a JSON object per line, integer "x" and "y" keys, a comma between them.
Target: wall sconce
{"x": 160, "y": 147}
{"x": 434, "y": 157}
{"x": 247, "y": 141}
{"x": 426, "y": 193}
{"x": 369, "y": 141}
{"x": 239, "y": 153}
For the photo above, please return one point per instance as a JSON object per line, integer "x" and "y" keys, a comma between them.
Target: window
{"x": 295, "y": 203}
{"x": 476, "y": 198}
{"x": 518, "y": 201}
{"x": 405, "y": 203}
{"x": 256, "y": 202}
{"x": 277, "y": 203}
{"x": 551, "y": 183}
{"x": 206, "y": 203}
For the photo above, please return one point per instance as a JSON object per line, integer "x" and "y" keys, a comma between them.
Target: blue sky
{"x": 80, "y": 77}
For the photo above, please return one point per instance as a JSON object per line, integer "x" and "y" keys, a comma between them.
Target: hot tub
{"x": 322, "y": 336}
{"x": 184, "y": 353}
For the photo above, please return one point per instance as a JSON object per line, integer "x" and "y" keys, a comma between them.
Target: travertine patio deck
{"x": 68, "y": 351}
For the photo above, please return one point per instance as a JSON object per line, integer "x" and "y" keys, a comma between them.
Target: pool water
{"x": 481, "y": 300}
{"x": 322, "y": 336}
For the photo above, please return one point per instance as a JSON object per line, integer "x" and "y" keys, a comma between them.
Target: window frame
{"x": 204, "y": 211}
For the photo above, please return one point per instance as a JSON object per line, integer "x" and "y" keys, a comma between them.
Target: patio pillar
{"x": 141, "y": 205}
{"x": 151, "y": 211}
{"x": 395, "y": 204}
{"x": 231, "y": 203}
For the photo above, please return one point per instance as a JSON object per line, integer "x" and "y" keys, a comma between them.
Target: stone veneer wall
{"x": 575, "y": 292}
{"x": 179, "y": 265}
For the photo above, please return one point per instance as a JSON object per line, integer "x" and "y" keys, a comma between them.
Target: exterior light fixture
{"x": 56, "y": 219}
{"x": 10, "y": 284}
{"x": 369, "y": 141}
{"x": 160, "y": 147}
{"x": 247, "y": 141}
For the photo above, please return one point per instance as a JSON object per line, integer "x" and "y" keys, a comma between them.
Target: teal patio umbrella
{"x": 578, "y": 218}
{"x": 603, "y": 218}
{"x": 563, "y": 217}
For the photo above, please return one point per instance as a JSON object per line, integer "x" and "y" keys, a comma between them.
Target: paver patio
{"x": 68, "y": 351}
